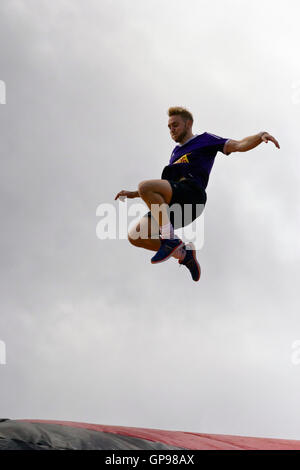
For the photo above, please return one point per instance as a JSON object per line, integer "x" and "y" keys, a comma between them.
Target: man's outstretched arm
{"x": 249, "y": 143}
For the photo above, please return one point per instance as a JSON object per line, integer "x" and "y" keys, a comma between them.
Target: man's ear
{"x": 189, "y": 124}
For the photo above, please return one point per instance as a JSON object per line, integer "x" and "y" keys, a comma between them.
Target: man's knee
{"x": 143, "y": 187}
{"x": 134, "y": 241}
{"x": 146, "y": 229}
{"x": 134, "y": 235}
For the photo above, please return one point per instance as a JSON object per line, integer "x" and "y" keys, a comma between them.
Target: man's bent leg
{"x": 157, "y": 193}
{"x": 145, "y": 234}
{"x": 140, "y": 236}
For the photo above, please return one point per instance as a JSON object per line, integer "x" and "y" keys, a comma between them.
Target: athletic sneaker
{"x": 190, "y": 261}
{"x": 167, "y": 248}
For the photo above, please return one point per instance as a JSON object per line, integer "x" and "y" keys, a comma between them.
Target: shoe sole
{"x": 169, "y": 255}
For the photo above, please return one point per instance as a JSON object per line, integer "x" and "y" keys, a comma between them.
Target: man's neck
{"x": 187, "y": 137}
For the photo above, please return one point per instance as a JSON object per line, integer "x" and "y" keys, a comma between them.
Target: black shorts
{"x": 188, "y": 201}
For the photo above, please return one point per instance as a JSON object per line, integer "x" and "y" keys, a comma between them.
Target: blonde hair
{"x": 179, "y": 111}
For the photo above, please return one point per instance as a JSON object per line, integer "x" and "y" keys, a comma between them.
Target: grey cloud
{"x": 93, "y": 331}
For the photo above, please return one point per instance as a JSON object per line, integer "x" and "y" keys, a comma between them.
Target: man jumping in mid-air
{"x": 183, "y": 182}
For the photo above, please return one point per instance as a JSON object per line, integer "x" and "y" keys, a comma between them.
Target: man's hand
{"x": 265, "y": 137}
{"x": 130, "y": 194}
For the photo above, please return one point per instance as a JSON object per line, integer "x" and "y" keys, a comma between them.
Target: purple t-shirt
{"x": 195, "y": 158}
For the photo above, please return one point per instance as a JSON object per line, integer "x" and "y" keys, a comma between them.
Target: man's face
{"x": 178, "y": 128}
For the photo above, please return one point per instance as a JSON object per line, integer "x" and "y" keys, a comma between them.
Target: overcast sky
{"x": 93, "y": 332}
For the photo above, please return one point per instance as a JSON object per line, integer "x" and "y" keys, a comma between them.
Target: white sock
{"x": 167, "y": 231}
{"x": 180, "y": 253}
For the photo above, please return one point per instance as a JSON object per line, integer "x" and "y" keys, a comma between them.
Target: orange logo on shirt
{"x": 183, "y": 159}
